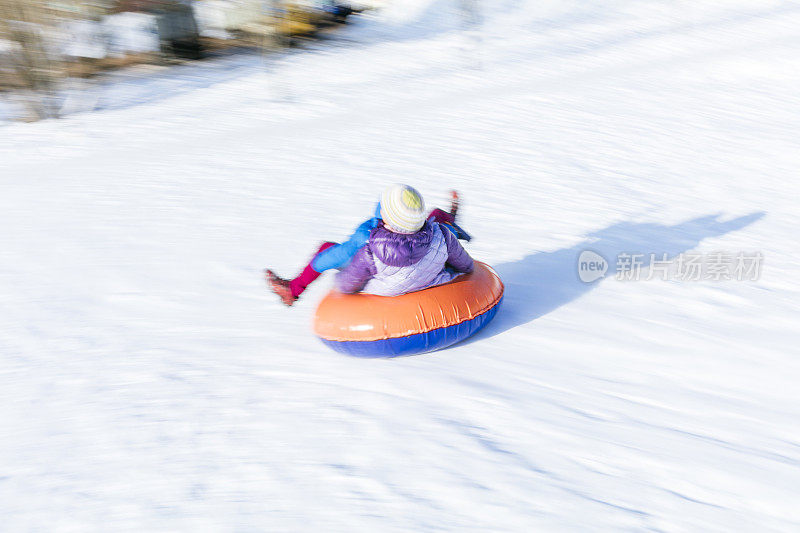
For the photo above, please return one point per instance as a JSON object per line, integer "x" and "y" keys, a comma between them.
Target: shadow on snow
{"x": 544, "y": 281}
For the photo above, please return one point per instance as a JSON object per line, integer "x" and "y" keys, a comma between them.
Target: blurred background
{"x": 50, "y": 46}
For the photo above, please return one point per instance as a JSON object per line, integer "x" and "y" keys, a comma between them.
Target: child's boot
{"x": 454, "y": 203}
{"x": 281, "y": 287}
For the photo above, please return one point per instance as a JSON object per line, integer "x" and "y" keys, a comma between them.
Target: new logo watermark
{"x": 591, "y": 266}
{"x": 687, "y": 266}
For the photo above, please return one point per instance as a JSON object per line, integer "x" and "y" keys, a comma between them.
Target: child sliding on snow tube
{"x": 399, "y": 250}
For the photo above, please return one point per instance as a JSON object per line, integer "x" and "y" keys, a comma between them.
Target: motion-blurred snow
{"x": 150, "y": 382}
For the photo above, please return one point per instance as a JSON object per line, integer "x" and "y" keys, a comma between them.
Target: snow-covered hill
{"x": 149, "y": 382}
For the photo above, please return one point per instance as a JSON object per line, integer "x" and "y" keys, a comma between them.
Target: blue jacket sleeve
{"x": 339, "y": 256}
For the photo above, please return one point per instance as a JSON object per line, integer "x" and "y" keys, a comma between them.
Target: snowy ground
{"x": 149, "y": 382}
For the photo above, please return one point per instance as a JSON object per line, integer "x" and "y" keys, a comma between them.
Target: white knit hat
{"x": 403, "y": 209}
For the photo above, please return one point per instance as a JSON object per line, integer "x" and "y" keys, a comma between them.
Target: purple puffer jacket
{"x": 391, "y": 264}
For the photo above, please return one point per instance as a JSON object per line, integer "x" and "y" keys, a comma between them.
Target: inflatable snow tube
{"x": 367, "y": 325}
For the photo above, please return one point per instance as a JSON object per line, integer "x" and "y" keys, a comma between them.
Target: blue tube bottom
{"x": 429, "y": 341}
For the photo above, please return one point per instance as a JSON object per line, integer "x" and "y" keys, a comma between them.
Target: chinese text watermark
{"x": 687, "y": 266}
